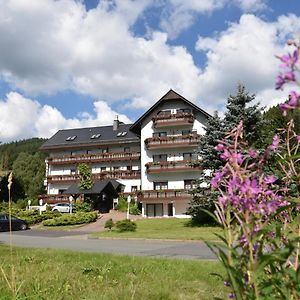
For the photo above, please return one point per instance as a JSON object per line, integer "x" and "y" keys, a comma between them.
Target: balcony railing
{"x": 91, "y": 158}
{"x": 172, "y": 166}
{"x": 165, "y": 195}
{"x": 115, "y": 174}
{"x": 189, "y": 140}
{"x": 57, "y": 198}
{"x": 180, "y": 118}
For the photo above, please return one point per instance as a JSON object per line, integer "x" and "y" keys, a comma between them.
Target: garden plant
{"x": 258, "y": 209}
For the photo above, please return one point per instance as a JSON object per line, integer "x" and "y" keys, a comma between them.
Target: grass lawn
{"x": 165, "y": 229}
{"x": 57, "y": 274}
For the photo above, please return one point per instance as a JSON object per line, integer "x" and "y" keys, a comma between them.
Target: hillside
{"x": 10, "y": 151}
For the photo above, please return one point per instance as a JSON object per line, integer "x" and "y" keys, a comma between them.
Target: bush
{"x": 83, "y": 207}
{"x": 67, "y": 219}
{"x": 122, "y": 204}
{"x": 133, "y": 209}
{"x": 126, "y": 225}
{"x": 109, "y": 224}
{"x": 33, "y": 216}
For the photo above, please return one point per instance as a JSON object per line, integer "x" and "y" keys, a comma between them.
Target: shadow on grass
{"x": 195, "y": 223}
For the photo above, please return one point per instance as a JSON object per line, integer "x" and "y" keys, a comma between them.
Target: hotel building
{"x": 154, "y": 160}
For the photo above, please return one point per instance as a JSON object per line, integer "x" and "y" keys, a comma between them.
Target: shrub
{"x": 67, "y": 219}
{"x": 126, "y": 225}
{"x": 33, "y": 216}
{"x": 109, "y": 224}
{"x": 83, "y": 207}
{"x": 122, "y": 204}
{"x": 133, "y": 210}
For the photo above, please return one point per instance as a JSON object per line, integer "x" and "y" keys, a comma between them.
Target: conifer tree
{"x": 238, "y": 108}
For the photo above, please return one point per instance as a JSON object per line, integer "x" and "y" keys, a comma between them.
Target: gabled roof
{"x": 170, "y": 95}
{"x": 98, "y": 187}
{"x": 83, "y": 137}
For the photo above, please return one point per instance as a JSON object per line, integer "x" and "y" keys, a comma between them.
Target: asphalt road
{"x": 72, "y": 241}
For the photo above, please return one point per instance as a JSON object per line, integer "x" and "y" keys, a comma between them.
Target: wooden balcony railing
{"x": 189, "y": 140}
{"x": 91, "y": 158}
{"x": 172, "y": 166}
{"x": 57, "y": 198}
{"x": 180, "y": 118}
{"x": 165, "y": 195}
{"x": 115, "y": 174}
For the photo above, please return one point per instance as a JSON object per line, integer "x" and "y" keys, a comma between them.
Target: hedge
{"x": 73, "y": 219}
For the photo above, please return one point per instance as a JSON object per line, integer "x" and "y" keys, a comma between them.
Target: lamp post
{"x": 128, "y": 203}
{"x": 71, "y": 206}
{"x": 29, "y": 204}
{"x": 41, "y": 203}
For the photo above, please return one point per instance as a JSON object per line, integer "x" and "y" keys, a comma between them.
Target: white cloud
{"x": 22, "y": 117}
{"x": 179, "y": 15}
{"x": 245, "y": 53}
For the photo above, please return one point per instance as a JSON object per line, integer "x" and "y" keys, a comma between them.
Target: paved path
{"x": 72, "y": 241}
{"x": 99, "y": 224}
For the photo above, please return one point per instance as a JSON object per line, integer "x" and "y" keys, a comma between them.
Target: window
{"x": 154, "y": 210}
{"x": 103, "y": 169}
{"x": 129, "y": 168}
{"x": 73, "y": 171}
{"x": 96, "y": 136}
{"x": 61, "y": 191}
{"x": 187, "y": 156}
{"x": 116, "y": 168}
{"x": 159, "y": 157}
{"x": 189, "y": 184}
{"x": 186, "y": 132}
{"x": 164, "y": 112}
{"x": 183, "y": 110}
{"x": 126, "y": 149}
{"x": 134, "y": 188}
{"x": 71, "y": 138}
{"x": 159, "y": 134}
{"x": 104, "y": 150}
{"x": 160, "y": 185}
{"x": 123, "y": 133}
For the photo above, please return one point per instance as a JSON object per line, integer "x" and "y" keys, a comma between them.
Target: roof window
{"x": 71, "y": 138}
{"x": 122, "y": 133}
{"x": 95, "y": 136}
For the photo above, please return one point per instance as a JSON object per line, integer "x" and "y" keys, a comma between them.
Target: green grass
{"x": 176, "y": 229}
{"x": 57, "y": 274}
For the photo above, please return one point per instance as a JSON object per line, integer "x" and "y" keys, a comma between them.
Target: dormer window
{"x": 96, "y": 136}
{"x": 71, "y": 138}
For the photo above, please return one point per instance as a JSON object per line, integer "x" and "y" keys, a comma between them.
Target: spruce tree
{"x": 238, "y": 109}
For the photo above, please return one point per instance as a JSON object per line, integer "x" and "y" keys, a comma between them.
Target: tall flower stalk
{"x": 258, "y": 211}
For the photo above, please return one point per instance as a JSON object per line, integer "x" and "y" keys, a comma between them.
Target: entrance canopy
{"x": 109, "y": 186}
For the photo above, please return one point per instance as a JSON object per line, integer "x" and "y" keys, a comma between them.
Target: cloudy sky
{"x": 74, "y": 63}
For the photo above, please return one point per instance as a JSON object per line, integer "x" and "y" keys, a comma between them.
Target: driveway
{"x": 79, "y": 241}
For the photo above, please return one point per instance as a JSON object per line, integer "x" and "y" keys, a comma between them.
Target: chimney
{"x": 116, "y": 123}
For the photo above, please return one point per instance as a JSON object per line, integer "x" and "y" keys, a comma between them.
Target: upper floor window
{"x": 159, "y": 157}
{"x": 159, "y": 134}
{"x": 187, "y": 156}
{"x": 127, "y": 149}
{"x": 189, "y": 184}
{"x": 186, "y": 132}
{"x": 163, "y": 185}
{"x": 71, "y": 138}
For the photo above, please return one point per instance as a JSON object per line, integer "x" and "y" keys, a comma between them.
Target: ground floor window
{"x": 154, "y": 210}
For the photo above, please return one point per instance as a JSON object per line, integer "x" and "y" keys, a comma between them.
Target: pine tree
{"x": 238, "y": 109}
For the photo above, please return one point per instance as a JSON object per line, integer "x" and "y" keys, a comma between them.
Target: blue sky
{"x": 69, "y": 63}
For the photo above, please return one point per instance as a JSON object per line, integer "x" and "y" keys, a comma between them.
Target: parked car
{"x": 16, "y": 223}
{"x": 63, "y": 207}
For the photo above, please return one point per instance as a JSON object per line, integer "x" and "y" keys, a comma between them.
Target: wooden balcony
{"x": 176, "y": 141}
{"x": 172, "y": 166}
{"x": 59, "y": 198}
{"x": 115, "y": 174}
{"x": 165, "y": 195}
{"x": 178, "y": 119}
{"x": 93, "y": 158}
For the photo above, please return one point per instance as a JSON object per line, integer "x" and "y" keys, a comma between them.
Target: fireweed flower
{"x": 289, "y": 60}
{"x": 275, "y": 142}
{"x": 270, "y": 179}
{"x": 294, "y": 100}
